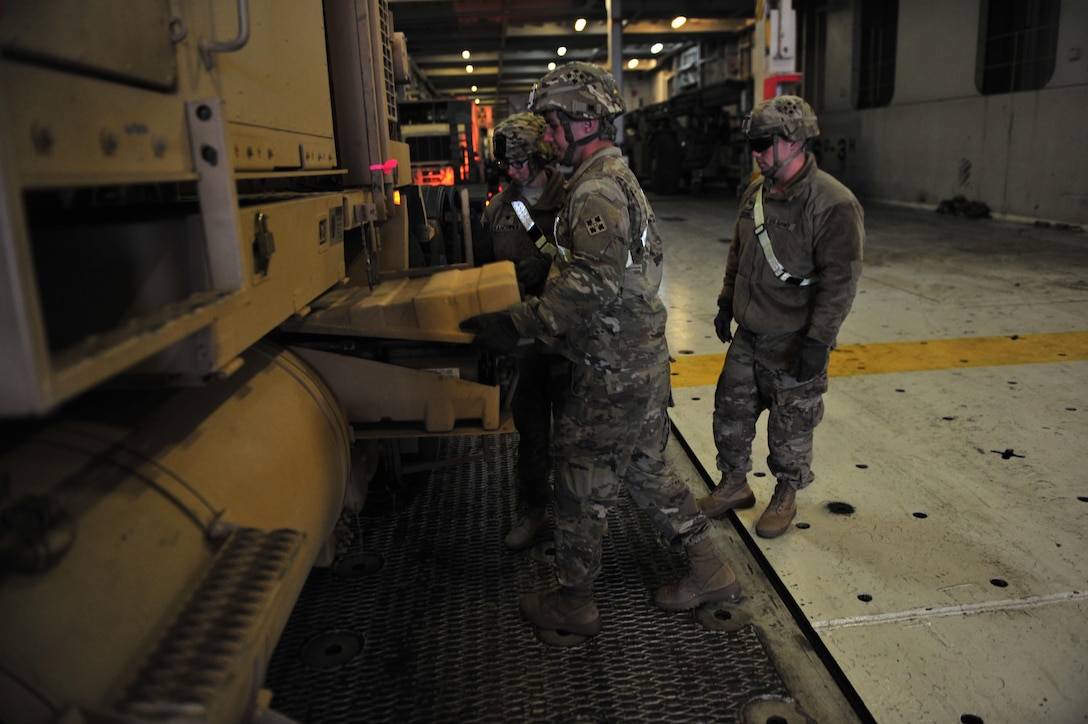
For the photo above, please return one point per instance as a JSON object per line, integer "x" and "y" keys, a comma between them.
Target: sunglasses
{"x": 759, "y": 145}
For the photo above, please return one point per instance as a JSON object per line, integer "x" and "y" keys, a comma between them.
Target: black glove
{"x": 722, "y": 323}
{"x": 495, "y": 331}
{"x": 811, "y": 361}
{"x": 532, "y": 271}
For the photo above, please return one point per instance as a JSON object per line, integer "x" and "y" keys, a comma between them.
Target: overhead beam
{"x": 660, "y": 29}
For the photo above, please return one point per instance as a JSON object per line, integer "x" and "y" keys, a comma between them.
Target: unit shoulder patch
{"x": 595, "y": 225}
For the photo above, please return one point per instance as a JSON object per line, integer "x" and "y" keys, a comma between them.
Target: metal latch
{"x": 264, "y": 244}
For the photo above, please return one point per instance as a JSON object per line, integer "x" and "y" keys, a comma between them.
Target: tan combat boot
{"x": 567, "y": 610}
{"x": 522, "y": 535}
{"x": 780, "y": 512}
{"x": 728, "y": 495}
{"x": 710, "y": 580}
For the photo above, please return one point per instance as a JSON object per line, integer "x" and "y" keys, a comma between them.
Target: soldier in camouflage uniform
{"x": 789, "y": 303}
{"x": 604, "y": 313}
{"x": 520, "y": 215}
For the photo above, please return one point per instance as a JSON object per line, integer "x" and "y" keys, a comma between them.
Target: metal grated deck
{"x": 419, "y": 621}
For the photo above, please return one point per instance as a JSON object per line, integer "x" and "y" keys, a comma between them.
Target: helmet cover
{"x": 582, "y": 90}
{"x": 790, "y": 117}
{"x": 520, "y": 136}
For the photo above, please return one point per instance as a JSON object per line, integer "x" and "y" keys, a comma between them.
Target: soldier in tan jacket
{"x": 790, "y": 280}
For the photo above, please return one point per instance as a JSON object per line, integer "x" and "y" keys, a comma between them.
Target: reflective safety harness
{"x": 765, "y": 242}
{"x": 552, "y": 250}
{"x": 630, "y": 257}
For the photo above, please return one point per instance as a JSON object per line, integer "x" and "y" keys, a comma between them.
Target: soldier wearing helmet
{"x": 519, "y": 147}
{"x": 788, "y": 118}
{"x": 520, "y": 138}
{"x": 519, "y": 225}
{"x": 581, "y": 95}
{"x": 790, "y": 280}
{"x": 604, "y": 314}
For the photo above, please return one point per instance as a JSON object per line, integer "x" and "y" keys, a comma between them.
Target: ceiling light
{"x": 579, "y": 25}
{"x": 561, "y": 51}
{"x": 657, "y": 48}
{"x": 469, "y": 68}
{"x": 465, "y": 54}
{"x": 678, "y": 21}
{"x": 475, "y": 88}
{"x": 632, "y": 64}
{"x": 476, "y": 101}
{"x": 551, "y": 66}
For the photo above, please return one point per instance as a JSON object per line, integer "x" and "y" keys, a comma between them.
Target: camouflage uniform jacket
{"x": 504, "y": 236}
{"x": 603, "y": 310}
{"x": 816, "y": 228}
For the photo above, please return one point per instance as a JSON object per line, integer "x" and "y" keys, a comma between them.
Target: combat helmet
{"x": 581, "y": 90}
{"x": 790, "y": 117}
{"x": 521, "y": 136}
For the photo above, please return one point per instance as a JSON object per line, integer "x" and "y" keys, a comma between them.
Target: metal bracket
{"x": 215, "y": 191}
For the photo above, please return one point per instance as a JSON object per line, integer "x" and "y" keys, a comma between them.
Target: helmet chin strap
{"x": 572, "y": 145}
{"x": 779, "y": 163}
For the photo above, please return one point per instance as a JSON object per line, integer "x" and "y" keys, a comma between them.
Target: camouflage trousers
{"x": 756, "y": 377}
{"x": 611, "y": 428}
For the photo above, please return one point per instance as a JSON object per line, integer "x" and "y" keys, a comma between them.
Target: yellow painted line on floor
{"x": 921, "y": 356}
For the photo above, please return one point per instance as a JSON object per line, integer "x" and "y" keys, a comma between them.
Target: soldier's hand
{"x": 532, "y": 271}
{"x": 495, "y": 331}
{"x": 722, "y": 324}
{"x": 811, "y": 360}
